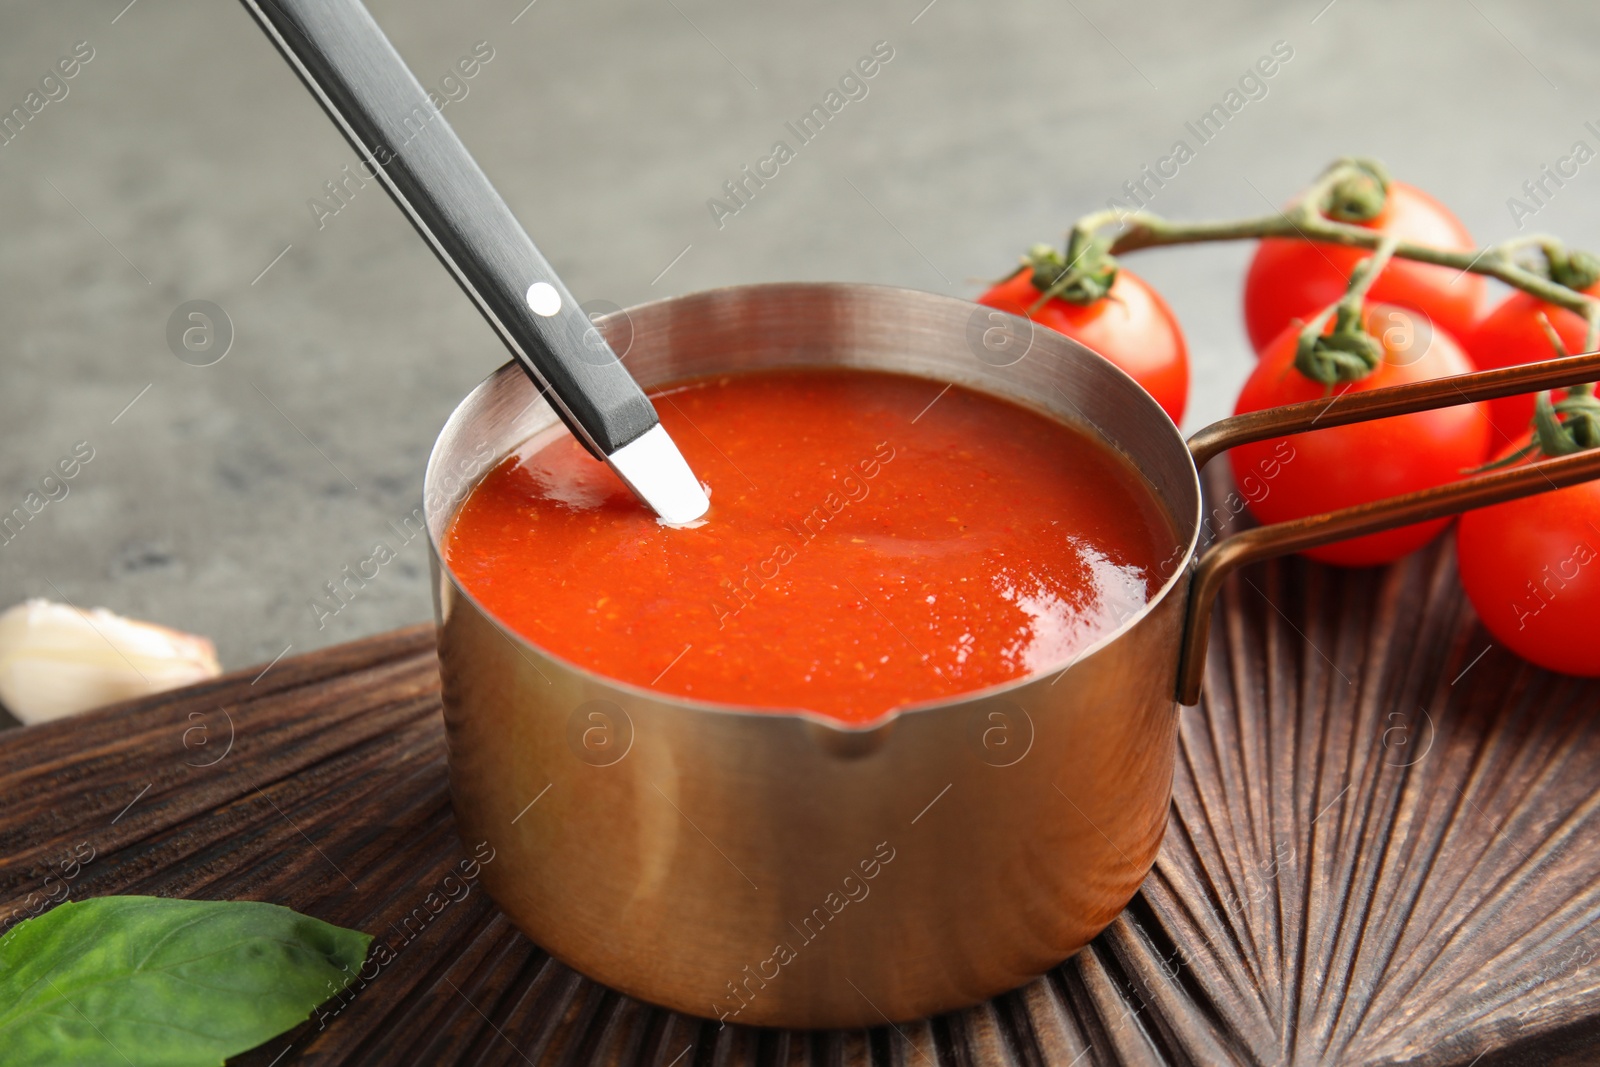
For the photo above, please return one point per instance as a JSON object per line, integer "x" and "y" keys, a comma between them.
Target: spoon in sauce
{"x": 348, "y": 64}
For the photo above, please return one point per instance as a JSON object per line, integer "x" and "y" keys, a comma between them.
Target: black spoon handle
{"x": 372, "y": 96}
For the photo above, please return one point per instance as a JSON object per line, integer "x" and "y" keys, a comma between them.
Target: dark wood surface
{"x": 1383, "y": 849}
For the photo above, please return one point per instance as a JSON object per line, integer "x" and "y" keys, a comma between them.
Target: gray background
{"x": 181, "y": 163}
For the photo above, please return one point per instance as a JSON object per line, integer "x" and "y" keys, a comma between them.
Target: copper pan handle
{"x": 1279, "y": 539}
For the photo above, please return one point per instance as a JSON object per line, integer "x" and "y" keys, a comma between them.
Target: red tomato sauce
{"x": 873, "y": 541}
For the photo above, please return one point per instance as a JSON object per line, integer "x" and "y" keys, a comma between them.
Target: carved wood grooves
{"x": 1383, "y": 849}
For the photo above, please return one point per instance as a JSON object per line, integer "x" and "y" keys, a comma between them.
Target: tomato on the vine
{"x": 1293, "y": 279}
{"x": 1531, "y": 568}
{"x": 1512, "y": 334}
{"x": 1343, "y": 466}
{"x": 1131, "y": 326}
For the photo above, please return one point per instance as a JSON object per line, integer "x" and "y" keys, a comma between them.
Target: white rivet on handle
{"x": 543, "y": 299}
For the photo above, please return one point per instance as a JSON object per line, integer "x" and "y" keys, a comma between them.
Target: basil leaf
{"x": 141, "y": 981}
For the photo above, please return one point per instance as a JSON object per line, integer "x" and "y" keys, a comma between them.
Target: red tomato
{"x": 1294, "y": 279}
{"x": 1532, "y": 569}
{"x": 1132, "y": 327}
{"x": 1511, "y": 334}
{"x": 1343, "y": 466}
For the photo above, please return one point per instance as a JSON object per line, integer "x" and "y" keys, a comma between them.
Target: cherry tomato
{"x": 1294, "y": 279}
{"x": 1343, "y": 466}
{"x": 1132, "y": 327}
{"x": 1511, "y": 334}
{"x": 1532, "y": 569}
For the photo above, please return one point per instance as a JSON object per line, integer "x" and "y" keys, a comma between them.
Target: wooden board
{"x": 1383, "y": 849}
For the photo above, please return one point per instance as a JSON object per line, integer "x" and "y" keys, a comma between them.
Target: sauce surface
{"x": 872, "y": 542}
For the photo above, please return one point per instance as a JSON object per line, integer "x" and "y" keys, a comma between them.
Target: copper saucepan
{"x": 781, "y": 869}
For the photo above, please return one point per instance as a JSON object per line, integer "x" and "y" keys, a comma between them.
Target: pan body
{"x": 773, "y": 868}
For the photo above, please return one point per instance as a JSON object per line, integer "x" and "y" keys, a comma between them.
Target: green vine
{"x": 1349, "y": 192}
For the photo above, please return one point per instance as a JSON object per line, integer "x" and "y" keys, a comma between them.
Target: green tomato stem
{"x": 1347, "y": 353}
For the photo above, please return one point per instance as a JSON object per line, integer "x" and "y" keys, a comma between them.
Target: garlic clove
{"x": 56, "y": 660}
